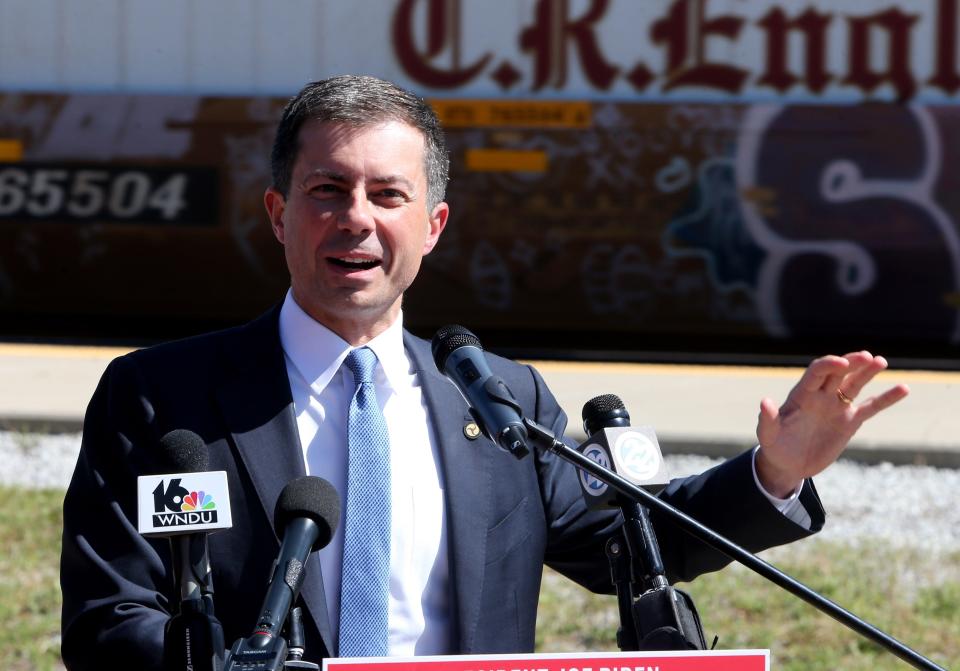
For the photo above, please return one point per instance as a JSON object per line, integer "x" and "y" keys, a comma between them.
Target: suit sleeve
{"x": 114, "y": 582}
{"x": 724, "y": 498}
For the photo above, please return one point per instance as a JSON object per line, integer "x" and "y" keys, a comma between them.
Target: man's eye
{"x": 323, "y": 189}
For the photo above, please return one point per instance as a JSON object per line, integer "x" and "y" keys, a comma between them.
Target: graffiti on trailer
{"x": 829, "y": 226}
{"x": 849, "y": 220}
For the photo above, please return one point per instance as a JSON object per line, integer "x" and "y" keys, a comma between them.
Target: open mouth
{"x": 354, "y": 263}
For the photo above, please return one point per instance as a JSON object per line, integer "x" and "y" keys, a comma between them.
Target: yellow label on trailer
{"x": 11, "y": 150}
{"x": 513, "y": 114}
{"x": 506, "y": 160}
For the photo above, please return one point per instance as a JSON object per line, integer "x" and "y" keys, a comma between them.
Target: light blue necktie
{"x": 364, "y": 588}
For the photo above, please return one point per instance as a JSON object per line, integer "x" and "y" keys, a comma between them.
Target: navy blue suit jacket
{"x": 506, "y": 518}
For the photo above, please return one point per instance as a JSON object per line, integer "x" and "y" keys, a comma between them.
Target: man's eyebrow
{"x": 332, "y": 175}
{"x": 394, "y": 179}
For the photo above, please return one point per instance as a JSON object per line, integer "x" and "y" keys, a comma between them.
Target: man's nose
{"x": 357, "y": 214}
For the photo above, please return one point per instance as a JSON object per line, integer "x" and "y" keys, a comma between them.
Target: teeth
{"x": 354, "y": 262}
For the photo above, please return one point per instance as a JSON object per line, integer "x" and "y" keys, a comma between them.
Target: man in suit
{"x": 359, "y": 170}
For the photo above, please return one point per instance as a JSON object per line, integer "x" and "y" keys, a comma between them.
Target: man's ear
{"x": 435, "y": 225}
{"x": 275, "y": 203}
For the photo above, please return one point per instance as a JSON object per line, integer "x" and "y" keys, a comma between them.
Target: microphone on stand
{"x": 459, "y": 355}
{"x": 306, "y": 515}
{"x": 660, "y": 617}
{"x": 185, "y": 507}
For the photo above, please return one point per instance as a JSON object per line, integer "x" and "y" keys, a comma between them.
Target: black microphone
{"x": 661, "y": 617}
{"x": 459, "y": 356}
{"x": 307, "y": 514}
{"x": 185, "y": 452}
{"x": 193, "y": 638}
{"x": 633, "y": 455}
{"x": 632, "y": 452}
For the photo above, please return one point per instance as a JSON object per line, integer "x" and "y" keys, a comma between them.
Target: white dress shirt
{"x": 419, "y": 610}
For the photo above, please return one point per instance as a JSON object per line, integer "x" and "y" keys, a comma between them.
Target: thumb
{"x": 767, "y": 425}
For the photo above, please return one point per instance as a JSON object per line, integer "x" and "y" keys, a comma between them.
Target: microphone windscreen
{"x": 184, "y": 451}
{"x": 604, "y": 412}
{"x": 312, "y": 497}
{"x": 450, "y": 338}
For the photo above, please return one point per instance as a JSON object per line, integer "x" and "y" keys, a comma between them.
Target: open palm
{"x": 820, "y": 416}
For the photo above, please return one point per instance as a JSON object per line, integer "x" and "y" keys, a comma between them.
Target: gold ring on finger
{"x": 843, "y": 397}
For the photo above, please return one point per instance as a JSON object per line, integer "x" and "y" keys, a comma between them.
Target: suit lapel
{"x": 257, "y": 406}
{"x": 258, "y": 409}
{"x": 466, "y": 469}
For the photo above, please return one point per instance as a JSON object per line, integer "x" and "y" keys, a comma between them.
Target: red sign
{"x": 715, "y": 660}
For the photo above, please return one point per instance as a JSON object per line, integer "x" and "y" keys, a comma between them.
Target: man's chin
{"x": 357, "y": 308}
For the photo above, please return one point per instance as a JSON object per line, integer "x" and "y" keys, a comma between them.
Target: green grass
{"x": 908, "y": 595}
{"x": 911, "y": 596}
{"x": 30, "y": 522}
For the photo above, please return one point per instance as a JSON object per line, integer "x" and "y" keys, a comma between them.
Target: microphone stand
{"x": 296, "y": 642}
{"x": 664, "y": 618}
{"x": 545, "y": 440}
{"x": 193, "y": 637}
{"x": 621, "y": 575}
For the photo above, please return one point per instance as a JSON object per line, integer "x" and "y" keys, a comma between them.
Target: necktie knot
{"x": 362, "y": 362}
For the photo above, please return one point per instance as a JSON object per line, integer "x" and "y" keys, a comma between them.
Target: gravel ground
{"x": 38, "y": 460}
{"x": 900, "y": 506}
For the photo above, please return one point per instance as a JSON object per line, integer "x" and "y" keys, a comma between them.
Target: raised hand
{"x": 820, "y": 416}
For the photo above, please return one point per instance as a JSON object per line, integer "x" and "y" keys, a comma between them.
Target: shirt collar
{"x": 318, "y": 353}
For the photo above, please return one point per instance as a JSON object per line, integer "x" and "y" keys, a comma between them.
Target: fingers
{"x": 841, "y": 378}
{"x": 857, "y": 362}
{"x": 829, "y": 374}
{"x": 875, "y": 404}
{"x": 823, "y": 369}
{"x": 862, "y": 371}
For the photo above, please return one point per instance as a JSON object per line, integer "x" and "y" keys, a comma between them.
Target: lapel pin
{"x": 471, "y": 430}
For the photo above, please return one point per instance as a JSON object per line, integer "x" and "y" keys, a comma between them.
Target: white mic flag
{"x": 183, "y": 503}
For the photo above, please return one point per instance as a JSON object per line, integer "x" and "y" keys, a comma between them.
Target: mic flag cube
{"x": 632, "y": 452}
{"x": 183, "y": 503}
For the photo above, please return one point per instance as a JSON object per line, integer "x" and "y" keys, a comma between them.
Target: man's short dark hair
{"x": 359, "y": 101}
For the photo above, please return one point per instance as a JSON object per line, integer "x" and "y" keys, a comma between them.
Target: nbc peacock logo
{"x": 174, "y": 506}
{"x": 198, "y": 501}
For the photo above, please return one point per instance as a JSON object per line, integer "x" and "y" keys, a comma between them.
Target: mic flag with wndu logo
{"x": 179, "y": 503}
